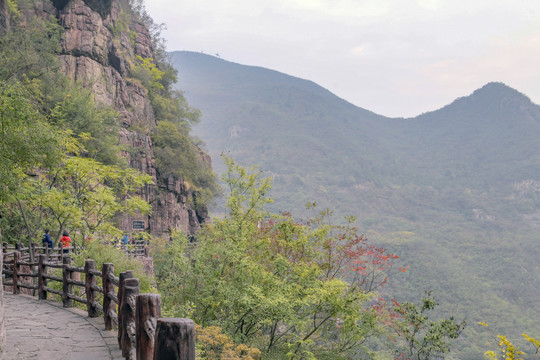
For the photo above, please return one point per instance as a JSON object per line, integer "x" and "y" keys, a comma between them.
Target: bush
{"x": 102, "y": 253}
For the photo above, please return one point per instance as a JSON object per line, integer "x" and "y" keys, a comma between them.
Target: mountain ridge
{"x": 201, "y": 59}
{"x": 456, "y": 180}
{"x": 486, "y": 90}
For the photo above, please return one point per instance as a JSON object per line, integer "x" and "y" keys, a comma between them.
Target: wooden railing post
{"x": 175, "y": 339}
{"x": 90, "y": 284}
{"x": 108, "y": 306}
{"x": 16, "y": 257}
{"x": 131, "y": 290}
{"x": 147, "y": 312}
{"x": 121, "y": 279}
{"x": 4, "y": 256}
{"x": 32, "y": 252}
{"x": 42, "y": 281}
{"x": 2, "y": 313}
{"x": 66, "y": 286}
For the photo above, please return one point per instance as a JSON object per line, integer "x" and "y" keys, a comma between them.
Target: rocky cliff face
{"x": 99, "y": 41}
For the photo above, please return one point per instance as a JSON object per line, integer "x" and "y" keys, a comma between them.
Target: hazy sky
{"x": 393, "y": 57}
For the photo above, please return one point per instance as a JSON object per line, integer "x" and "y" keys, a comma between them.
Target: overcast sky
{"x": 393, "y": 57}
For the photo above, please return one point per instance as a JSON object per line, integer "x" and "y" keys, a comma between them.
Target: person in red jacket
{"x": 65, "y": 241}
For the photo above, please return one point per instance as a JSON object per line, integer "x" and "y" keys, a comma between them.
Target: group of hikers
{"x": 65, "y": 240}
{"x": 127, "y": 240}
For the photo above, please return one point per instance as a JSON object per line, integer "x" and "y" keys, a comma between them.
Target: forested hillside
{"x": 454, "y": 191}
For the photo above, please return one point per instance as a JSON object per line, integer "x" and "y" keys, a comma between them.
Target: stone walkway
{"x": 44, "y": 330}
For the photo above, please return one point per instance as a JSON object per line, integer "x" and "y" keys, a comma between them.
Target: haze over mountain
{"x": 455, "y": 191}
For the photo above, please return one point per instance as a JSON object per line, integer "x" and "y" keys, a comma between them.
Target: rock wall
{"x": 92, "y": 54}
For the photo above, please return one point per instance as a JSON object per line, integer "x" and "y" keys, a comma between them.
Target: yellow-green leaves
{"x": 509, "y": 351}
{"x": 94, "y": 193}
{"x": 146, "y": 70}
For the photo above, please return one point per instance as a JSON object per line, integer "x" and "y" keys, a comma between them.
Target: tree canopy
{"x": 292, "y": 289}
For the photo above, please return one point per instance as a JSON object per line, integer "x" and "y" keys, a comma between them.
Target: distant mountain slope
{"x": 294, "y": 123}
{"x": 455, "y": 192}
{"x": 493, "y": 133}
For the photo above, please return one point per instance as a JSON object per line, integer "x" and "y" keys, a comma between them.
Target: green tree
{"x": 77, "y": 111}
{"x": 27, "y": 142}
{"x": 269, "y": 281}
{"x": 425, "y": 339}
{"x": 78, "y": 193}
{"x": 86, "y": 195}
{"x": 176, "y": 155}
{"x": 28, "y": 50}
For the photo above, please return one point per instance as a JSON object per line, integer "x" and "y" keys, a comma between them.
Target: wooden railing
{"x": 138, "y": 249}
{"x": 53, "y": 254}
{"x": 142, "y": 334}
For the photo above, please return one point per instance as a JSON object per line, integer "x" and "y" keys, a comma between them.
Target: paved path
{"x": 44, "y": 330}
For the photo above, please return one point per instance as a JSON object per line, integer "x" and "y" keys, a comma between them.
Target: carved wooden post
{"x": 90, "y": 281}
{"x": 121, "y": 279}
{"x": 42, "y": 281}
{"x": 66, "y": 286}
{"x": 175, "y": 339}
{"x": 147, "y": 311}
{"x": 108, "y": 286}
{"x": 131, "y": 290}
{"x": 16, "y": 256}
{"x": 4, "y": 256}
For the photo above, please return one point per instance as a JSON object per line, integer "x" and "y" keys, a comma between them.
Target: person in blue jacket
{"x": 47, "y": 242}
{"x": 125, "y": 239}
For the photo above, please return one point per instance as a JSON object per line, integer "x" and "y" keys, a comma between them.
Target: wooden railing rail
{"x": 53, "y": 254}
{"x": 142, "y": 334}
{"x": 137, "y": 249}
